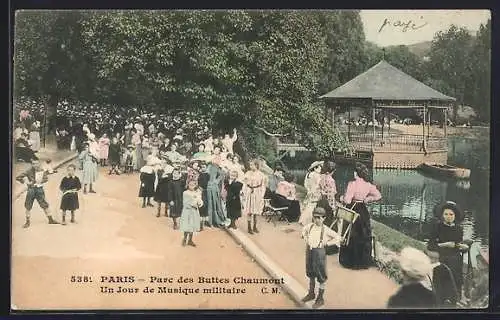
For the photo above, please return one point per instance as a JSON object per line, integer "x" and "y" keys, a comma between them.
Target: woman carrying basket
{"x": 357, "y": 253}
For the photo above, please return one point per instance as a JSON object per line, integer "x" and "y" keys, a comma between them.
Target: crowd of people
{"x": 198, "y": 181}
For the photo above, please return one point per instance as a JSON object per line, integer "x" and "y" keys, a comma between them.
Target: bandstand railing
{"x": 396, "y": 142}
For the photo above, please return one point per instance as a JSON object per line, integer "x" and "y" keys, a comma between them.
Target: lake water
{"x": 409, "y": 197}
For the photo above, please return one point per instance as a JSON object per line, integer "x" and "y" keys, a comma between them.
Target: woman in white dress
{"x": 312, "y": 185}
{"x": 35, "y": 136}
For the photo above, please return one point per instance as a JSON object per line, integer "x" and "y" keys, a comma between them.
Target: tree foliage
{"x": 50, "y": 62}
{"x": 241, "y": 68}
{"x": 257, "y": 68}
{"x": 481, "y": 72}
{"x": 458, "y": 65}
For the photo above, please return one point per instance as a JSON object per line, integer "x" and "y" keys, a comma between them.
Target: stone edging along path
{"x": 292, "y": 287}
{"x": 56, "y": 166}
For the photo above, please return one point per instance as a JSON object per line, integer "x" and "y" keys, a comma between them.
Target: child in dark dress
{"x": 70, "y": 185}
{"x": 114, "y": 156}
{"x": 176, "y": 188}
{"x": 447, "y": 239}
{"x": 202, "y": 184}
{"x": 233, "y": 200}
{"x": 147, "y": 189}
{"x": 161, "y": 193}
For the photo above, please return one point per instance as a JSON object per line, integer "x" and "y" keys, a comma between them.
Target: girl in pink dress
{"x": 254, "y": 188}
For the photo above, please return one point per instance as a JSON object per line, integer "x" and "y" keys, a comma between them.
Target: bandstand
{"x": 381, "y": 93}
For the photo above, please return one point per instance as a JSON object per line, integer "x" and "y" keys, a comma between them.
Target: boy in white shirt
{"x": 317, "y": 236}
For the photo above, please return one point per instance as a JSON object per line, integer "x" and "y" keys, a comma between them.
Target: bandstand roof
{"x": 386, "y": 82}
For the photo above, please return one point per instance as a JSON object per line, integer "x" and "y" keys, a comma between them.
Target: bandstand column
{"x": 428, "y": 123}
{"x": 373, "y": 125}
{"x": 423, "y": 128}
{"x": 445, "y": 110}
{"x": 333, "y": 116}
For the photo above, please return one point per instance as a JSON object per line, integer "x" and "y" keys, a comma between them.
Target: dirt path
{"x": 346, "y": 289}
{"x": 115, "y": 237}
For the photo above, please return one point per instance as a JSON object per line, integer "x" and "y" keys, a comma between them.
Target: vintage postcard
{"x": 250, "y": 159}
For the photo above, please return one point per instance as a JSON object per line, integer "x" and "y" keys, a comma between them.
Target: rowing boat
{"x": 445, "y": 170}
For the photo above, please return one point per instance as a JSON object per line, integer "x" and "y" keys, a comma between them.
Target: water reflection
{"x": 409, "y": 197}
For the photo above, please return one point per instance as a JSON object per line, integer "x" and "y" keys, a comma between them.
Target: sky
{"x": 405, "y": 27}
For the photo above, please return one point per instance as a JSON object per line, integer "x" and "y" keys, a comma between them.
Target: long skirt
{"x": 139, "y": 160}
{"x": 455, "y": 263}
{"x": 175, "y": 211}
{"x": 145, "y": 154}
{"x": 233, "y": 209}
{"x": 148, "y": 190}
{"x": 203, "y": 209}
{"x": 358, "y": 252}
{"x": 34, "y": 137}
{"x": 292, "y": 214}
{"x": 254, "y": 203}
{"x": 70, "y": 201}
{"x": 216, "y": 211}
{"x": 316, "y": 264}
{"x": 189, "y": 221}
{"x": 90, "y": 172}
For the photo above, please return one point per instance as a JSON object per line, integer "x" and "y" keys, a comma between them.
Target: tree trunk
{"x": 455, "y": 109}
{"x": 49, "y": 122}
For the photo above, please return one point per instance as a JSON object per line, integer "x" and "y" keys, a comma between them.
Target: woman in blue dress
{"x": 216, "y": 216}
{"x": 88, "y": 163}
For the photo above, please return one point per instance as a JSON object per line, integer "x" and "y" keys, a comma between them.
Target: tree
{"x": 481, "y": 77}
{"x": 451, "y": 61}
{"x": 402, "y": 58}
{"x": 345, "y": 44}
{"x": 373, "y": 54}
{"x": 258, "y": 66}
{"x": 49, "y": 61}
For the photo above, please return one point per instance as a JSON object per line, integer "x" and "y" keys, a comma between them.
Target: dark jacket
{"x": 30, "y": 173}
{"x": 413, "y": 296}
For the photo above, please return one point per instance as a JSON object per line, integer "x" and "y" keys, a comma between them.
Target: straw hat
{"x": 318, "y": 211}
{"x": 415, "y": 263}
{"x": 315, "y": 164}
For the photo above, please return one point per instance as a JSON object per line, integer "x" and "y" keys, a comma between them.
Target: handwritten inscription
{"x": 404, "y": 25}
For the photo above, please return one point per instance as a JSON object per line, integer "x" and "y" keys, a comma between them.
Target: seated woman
{"x": 274, "y": 179}
{"x": 23, "y": 150}
{"x": 447, "y": 240}
{"x": 286, "y": 196}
